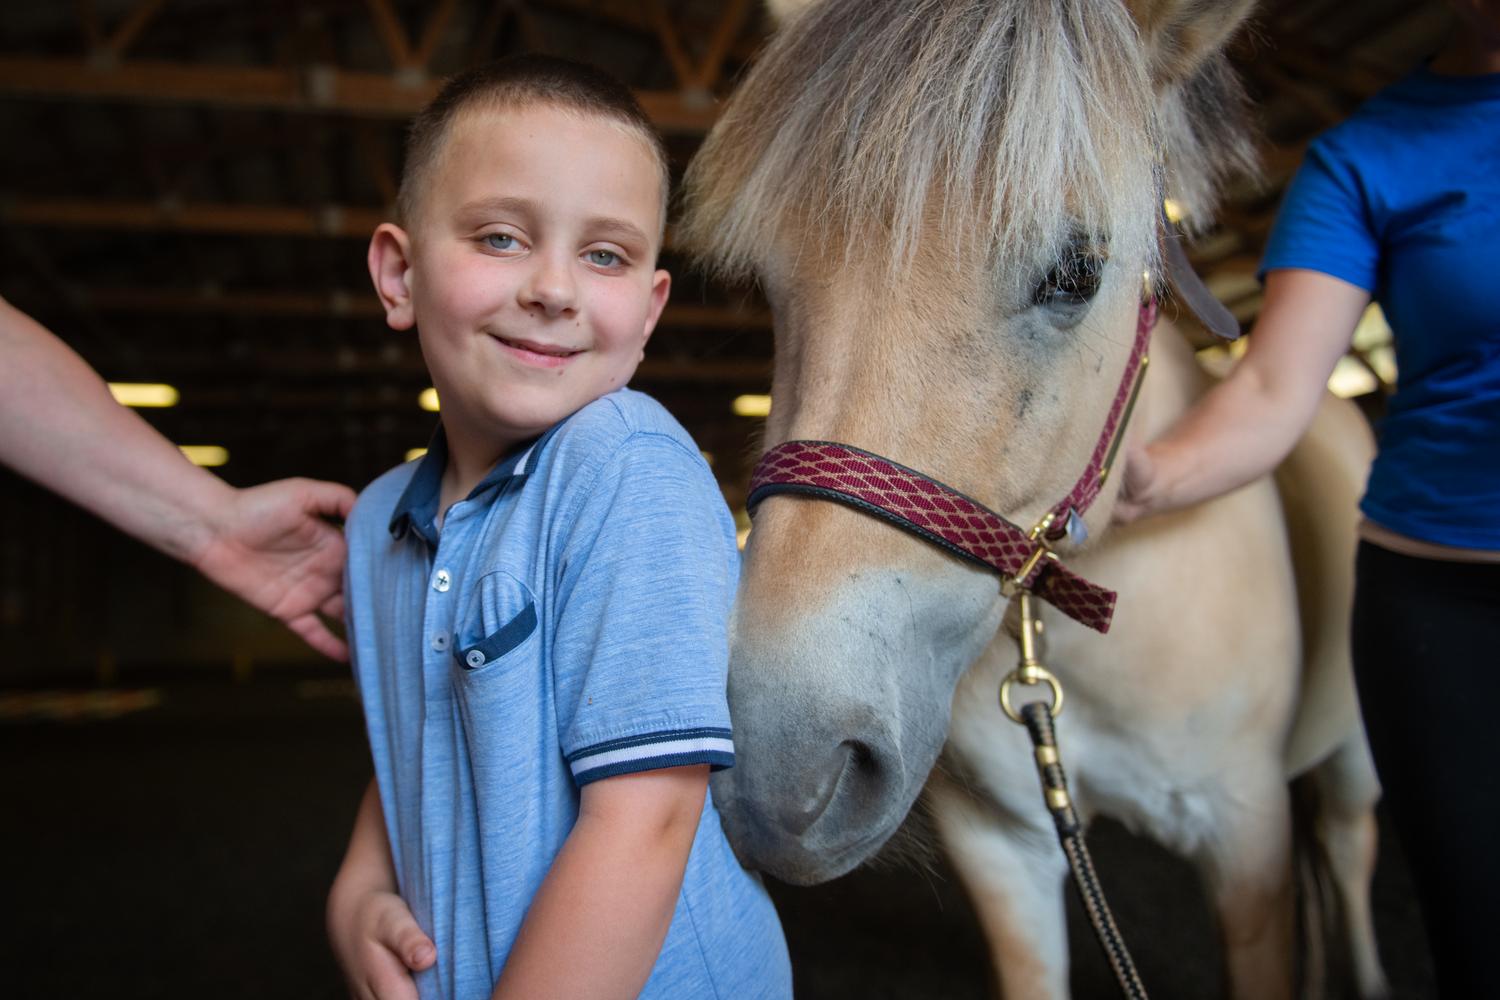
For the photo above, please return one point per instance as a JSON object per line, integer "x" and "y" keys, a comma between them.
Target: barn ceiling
{"x": 188, "y": 186}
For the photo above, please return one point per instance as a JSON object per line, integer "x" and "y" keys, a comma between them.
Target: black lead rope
{"x": 1037, "y": 717}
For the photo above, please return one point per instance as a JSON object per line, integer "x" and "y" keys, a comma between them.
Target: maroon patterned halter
{"x": 963, "y": 526}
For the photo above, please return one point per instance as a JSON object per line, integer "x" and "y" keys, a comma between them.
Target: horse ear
{"x": 783, "y": 11}
{"x": 1181, "y": 34}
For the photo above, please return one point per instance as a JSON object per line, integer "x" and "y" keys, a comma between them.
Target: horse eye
{"x": 1072, "y": 282}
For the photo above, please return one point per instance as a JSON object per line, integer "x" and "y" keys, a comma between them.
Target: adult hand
{"x": 378, "y": 944}
{"x": 274, "y": 547}
{"x": 1137, "y": 494}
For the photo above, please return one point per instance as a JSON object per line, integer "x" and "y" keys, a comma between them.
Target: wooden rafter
{"x": 404, "y": 55}
{"x": 392, "y": 34}
{"x": 88, "y": 23}
{"x": 375, "y": 162}
{"x": 239, "y": 219}
{"x": 315, "y": 89}
{"x": 671, "y": 43}
{"x": 130, "y": 29}
{"x": 704, "y": 75}
{"x": 719, "y": 43}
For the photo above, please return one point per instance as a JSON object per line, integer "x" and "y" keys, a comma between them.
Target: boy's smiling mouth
{"x": 536, "y": 353}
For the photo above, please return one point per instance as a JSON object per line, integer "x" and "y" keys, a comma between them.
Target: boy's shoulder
{"x": 377, "y": 501}
{"x": 615, "y": 421}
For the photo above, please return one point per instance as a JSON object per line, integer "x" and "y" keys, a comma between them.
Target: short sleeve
{"x": 640, "y": 650}
{"x": 1324, "y": 222}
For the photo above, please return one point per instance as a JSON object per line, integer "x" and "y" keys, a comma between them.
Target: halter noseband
{"x": 949, "y": 519}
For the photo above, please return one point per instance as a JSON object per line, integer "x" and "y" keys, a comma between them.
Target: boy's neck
{"x": 470, "y": 459}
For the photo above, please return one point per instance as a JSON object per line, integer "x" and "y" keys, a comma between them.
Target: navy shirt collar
{"x": 417, "y": 509}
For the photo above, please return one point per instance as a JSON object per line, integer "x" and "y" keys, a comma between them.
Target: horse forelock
{"x": 1010, "y": 124}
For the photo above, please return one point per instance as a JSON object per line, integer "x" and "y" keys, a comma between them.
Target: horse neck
{"x": 1174, "y": 381}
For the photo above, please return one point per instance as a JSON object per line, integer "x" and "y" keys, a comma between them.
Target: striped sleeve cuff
{"x": 650, "y": 751}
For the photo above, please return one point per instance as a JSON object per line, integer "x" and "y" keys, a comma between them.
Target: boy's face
{"x": 529, "y": 270}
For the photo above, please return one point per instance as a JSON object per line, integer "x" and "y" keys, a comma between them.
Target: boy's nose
{"x": 549, "y": 287}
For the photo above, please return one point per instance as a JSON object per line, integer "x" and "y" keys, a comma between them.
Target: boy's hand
{"x": 378, "y": 944}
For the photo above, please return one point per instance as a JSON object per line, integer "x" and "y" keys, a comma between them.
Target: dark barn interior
{"x": 185, "y": 198}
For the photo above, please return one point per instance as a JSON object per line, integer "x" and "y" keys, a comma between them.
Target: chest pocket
{"x": 501, "y": 617}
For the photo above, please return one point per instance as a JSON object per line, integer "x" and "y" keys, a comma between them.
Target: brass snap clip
{"x": 1030, "y": 670}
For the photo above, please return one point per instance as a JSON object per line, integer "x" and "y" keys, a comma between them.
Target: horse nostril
{"x": 851, "y": 764}
{"x": 860, "y": 758}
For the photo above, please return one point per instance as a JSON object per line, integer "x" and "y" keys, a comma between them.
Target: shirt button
{"x": 441, "y": 581}
{"x": 474, "y": 658}
{"x": 440, "y": 641}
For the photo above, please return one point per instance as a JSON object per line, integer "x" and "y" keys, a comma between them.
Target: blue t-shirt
{"x": 1403, "y": 200}
{"x": 568, "y": 623}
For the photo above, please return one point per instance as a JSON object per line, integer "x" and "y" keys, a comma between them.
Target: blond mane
{"x": 1013, "y": 125}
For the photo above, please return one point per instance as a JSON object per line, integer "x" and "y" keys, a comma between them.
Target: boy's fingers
{"x": 385, "y": 978}
{"x": 400, "y": 933}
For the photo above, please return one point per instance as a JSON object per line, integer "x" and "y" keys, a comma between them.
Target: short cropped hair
{"x": 518, "y": 82}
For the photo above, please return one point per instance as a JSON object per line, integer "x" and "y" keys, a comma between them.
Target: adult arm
{"x": 268, "y": 545}
{"x": 374, "y": 938}
{"x": 1243, "y": 427}
{"x": 597, "y": 923}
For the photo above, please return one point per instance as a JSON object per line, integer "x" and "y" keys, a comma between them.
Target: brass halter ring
{"x": 1041, "y": 675}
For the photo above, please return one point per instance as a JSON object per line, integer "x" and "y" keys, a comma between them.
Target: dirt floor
{"x": 182, "y": 848}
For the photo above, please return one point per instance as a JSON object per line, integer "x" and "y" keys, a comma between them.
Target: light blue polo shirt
{"x": 569, "y": 623}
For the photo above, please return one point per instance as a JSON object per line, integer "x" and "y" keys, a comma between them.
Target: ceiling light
{"x": 1351, "y": 378}
{"x": 428, "y": 400}
{"x": 752, "y": 406}
{"x": 205, "y": 454}
{"x": 143, "y": 394}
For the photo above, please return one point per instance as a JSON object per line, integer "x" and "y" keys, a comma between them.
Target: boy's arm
{"x": 374, "y": 937}
{"x": 597, "y": 924}
{"x": 267, "y": 545}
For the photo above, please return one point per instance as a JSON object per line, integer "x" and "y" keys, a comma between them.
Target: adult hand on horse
{"x": 1246, "y": 425}
{"x": 1138, "y": 495}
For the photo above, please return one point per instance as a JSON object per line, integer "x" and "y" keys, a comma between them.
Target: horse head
{"x": 950, "y": 207}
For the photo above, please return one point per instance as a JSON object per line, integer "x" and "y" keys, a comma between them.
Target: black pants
{"x": 1427, "y": 663}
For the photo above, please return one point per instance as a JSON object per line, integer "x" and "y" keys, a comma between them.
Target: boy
{"x": 537, "y": 608}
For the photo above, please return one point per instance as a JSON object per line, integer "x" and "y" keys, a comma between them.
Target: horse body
{"x": 952, "y": 238}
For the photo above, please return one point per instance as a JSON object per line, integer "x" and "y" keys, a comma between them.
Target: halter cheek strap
{"x": 961, "y": 525}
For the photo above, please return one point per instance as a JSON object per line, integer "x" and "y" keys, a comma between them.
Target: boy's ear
{"x": 661, "y": 285}
{"x": 390, "y": 269}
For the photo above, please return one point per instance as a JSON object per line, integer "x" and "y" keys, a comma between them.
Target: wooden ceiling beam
{"x": 314, "y": 89}
{"x": 352, "y": 222}
{"x": 130, "y": 29}
{"x": 725, "y": 31}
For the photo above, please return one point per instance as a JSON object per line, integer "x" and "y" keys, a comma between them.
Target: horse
{"x": 951, "y": 206}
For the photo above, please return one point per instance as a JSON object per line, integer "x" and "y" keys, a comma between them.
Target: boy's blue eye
{"x": 604, "y": 258}
{"x": 500, "y": 241}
